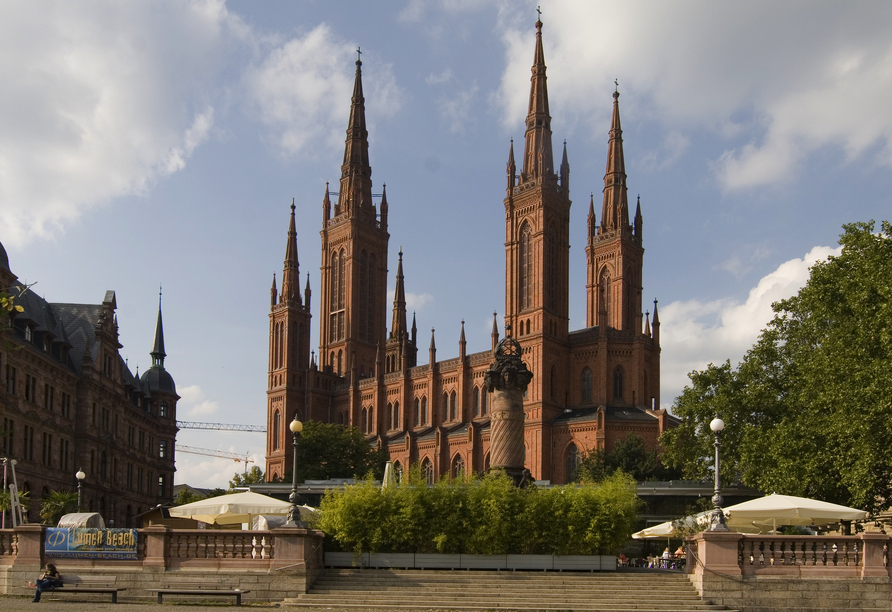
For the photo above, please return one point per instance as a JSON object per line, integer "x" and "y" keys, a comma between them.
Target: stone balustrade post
{"x": 717, "y": 551}
{"x": 31, "y": 540}
{"x": 872, "y": 555}
{"x": 157, "y": 545}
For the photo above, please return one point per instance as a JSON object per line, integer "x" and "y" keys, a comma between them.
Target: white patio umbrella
{"x": 669, "y": 529}
{"x": 777, "y": 510}
{"x": 229, "y": 509}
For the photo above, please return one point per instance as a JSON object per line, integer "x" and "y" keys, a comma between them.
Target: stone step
{"x": 419, "y": 603}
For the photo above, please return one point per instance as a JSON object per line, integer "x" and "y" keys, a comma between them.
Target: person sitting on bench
{"x": 50, "y": 580}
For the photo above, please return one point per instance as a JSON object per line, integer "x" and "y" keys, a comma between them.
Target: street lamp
{"x": 718, "y": 517}
{"x": 294, "y": 514}
{"x": 80, "y": 477}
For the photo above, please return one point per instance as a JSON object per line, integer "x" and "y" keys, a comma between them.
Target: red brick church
{"x": 590, "y": 386}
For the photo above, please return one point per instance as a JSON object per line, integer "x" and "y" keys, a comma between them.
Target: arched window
{"x": 618, "y": 383}
{"x": 484, "y": 402}
{"x": 363, "y": 422}
{"x": 477, "y": 401}
{"x": 370, "y": 308}
{"x": 427, "y": 471}
{"x": 340, "y": 362}
{"x": 486, "y": 462}
{"x": 388, "y": 419}
{"x": 551, "y": 275}
{"x": 371, "y": 427}
{"x": 396, "y": 415}
{"x": 525, "y": 255}
{"x": 424, "y": 410}
{"x": 572, "y": 461}
{"x": 453, "y": 406}
{"x": 604, "y": 293}
{"x": 277, "y": 429}
{"x": 458, "y": 467}
{"x": 627, "y": 298}
{"x": 445, "y": 408}
{"x": 418, "y": 420}
{"x": 586, "y": 386}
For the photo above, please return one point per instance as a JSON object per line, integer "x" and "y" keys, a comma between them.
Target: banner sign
{"x": 91, "y": 543}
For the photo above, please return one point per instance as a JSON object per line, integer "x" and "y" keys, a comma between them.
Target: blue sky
{"x": 146, "y": 143}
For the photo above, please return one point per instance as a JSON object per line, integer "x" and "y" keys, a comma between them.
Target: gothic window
{"x": 388, "y": 419}
{"x": 417, "y": 412}
{"x": 427, "y": 471}
{"x": 572, "y": 461}
{"x": 627, "y": 298}
{"x": 453, "y": 406}
{"x": 338, "y": 296}
{"x": 396, "y": 415}
{"x": 486, "y": 462}
{"x": 525, "y": 284}
{"x": 363, "y": 293}
{"x": 551, "y": 268}
{"x": 586, "y": 386}
{"x": 371, "y": 420}
{"x": 484, "y": 402}
{"x": 458, "y": 467}
{"x": 552, "y": 384}
{"x": 363, "y": 423}
{"x": 277, "y": 429}
{"x": 618, "y": 383}
{"x": 445, "y": 408}
{"x": 340, "y": 364}
{"x": 604, "y": 293}
{"x": 424, "y": 410}
{"x": 477, "y": 400}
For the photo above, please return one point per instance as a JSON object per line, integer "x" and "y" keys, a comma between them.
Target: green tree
{"x": 629, "y": 455}
{"x": 56, "y": 504}
{"x": 328, "y": 450}
{"x": 254, "y": 476}
{"x": 808, "y": 410}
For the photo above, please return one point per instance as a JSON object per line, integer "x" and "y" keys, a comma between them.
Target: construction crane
{"x": 215, "y": 453}
{"x": 221, "y": 426}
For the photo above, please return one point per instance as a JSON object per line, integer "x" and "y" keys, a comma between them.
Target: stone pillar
{"x": 157, "y": 538}
{"x": 29, "y": 545}
{"x": 508, "y": 378}
{"x": 873, "y": 556}
{"x": 717, "y": 552}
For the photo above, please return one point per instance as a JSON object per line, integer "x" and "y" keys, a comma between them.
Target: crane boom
{"x": 213, "y": 453}
{"x": 220, "y": 426}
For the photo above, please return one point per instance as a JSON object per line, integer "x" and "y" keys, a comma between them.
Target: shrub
{"x": 484, "y": 516}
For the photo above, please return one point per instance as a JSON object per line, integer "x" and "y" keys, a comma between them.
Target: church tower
{"x": 289, "y": 352}
{"x": 537, "y": 250}
{"x": 354, "y": 258}
{"x": 614, "y": 252}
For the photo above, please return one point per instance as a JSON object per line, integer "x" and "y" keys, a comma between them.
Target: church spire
{"x": 512, "y": 168}
{"x": 538, "y": 159}
{"x": 565, "y": 171}
{"x": 615, "y": 210}
{"x": 398, "y": 325}
{"x": 356, "y": 174}
{"x": 291, "y": 272}
{"x": 158, "y": 353}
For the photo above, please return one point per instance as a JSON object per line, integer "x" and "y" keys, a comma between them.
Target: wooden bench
{"x": 202, "y": 588}
{"x": 88, "y": 584}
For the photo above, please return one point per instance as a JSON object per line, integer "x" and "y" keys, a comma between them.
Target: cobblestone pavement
{"x": 73, "y": 604}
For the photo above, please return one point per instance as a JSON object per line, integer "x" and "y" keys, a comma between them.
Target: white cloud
{"x": 193, "y": 403}
{"x": 300, "y": 89}
{"x": 694, "y": 334}
{"x": 101, "y": 99}
{"x": 203, "y": 471}
{"x": 780, "y": 81}
{"x": 456, "y": 110}
{"x": 417, "y": 301}
{"x": 437, "y": 79}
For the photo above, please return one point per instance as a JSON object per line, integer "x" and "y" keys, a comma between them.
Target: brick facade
{"x": 590, "y": 388}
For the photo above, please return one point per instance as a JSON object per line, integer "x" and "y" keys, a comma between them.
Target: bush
{"x": 485, "y": 516}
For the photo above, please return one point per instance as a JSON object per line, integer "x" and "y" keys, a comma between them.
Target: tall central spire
{"x": 356, "y": 174}
{"x": 538, "y": 160}
{"x": 615, "y": 210}
{"x": 291, "y": 273}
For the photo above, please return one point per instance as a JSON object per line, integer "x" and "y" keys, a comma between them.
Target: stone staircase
{"x": 490, "y": 590}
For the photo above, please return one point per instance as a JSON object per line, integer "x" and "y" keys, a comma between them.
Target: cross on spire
{"x": 616, "y": 82}
{"x": 358, "y": 54}
{"x": 539, "y": 10}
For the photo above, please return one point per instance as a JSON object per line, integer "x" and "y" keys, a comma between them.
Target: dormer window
{"x": 28, "y": 333}
{"x": 46, "y": 344}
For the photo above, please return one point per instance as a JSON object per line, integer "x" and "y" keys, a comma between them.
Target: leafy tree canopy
{"x": 254, "y": 476}
{"x": 55, "y": 505}
{"x": 808, "y": 411}
{"x": 328, "y": 450}
{"x": 630, "y": 455}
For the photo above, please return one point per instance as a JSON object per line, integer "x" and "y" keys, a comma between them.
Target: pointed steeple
{"x": 291, "y": 272}
{"x": 462, "y": 343}
{"x": 495, "y": 330}
{"x": 656, "y": 325}
{"x": 615, "y": 210}
{"x": 326, "y": 205}
{"x": 384, "y": 207}
{"x": 273, "y": 292}
{"x": 158, "y": 353}
{"x": 591, "y": 216}
{"x": 538, "y": 159}
{"x": 647, "y": 323}
{"x": 512, "y": 168}
{"x": 565, "y": 171}
{"x": 398, "y": 325}
{"x": 307, "y": 292}
{"x": 639, "y": 222}
{"x": 414, "y": 331}
{"x": 356, "y": 174}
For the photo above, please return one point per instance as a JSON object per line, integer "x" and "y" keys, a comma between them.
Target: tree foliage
{"x": 808, "y": 411}
{"x": 328, "y": 450}
{"x": 55, "y": 505}
{"x": 630, "y": 455}
{"x": 253, "y": 476}
{"x": 482, "y": 516}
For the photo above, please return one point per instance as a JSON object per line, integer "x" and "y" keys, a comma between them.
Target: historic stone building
{"x": 68, "y": 401}
{"x": 590, "y": 387}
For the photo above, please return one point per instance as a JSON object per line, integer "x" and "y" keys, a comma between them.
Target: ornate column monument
{"x": 507, "y": 378}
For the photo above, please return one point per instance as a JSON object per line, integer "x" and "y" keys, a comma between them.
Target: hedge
{"x": 483, "y": 516}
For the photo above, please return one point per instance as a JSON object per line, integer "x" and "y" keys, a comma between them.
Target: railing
{"x": 8, "y": 546}
{"x": 208, "y": 544}
{"x": 757, "y": 552}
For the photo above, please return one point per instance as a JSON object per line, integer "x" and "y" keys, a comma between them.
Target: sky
{"x": 148, "y": 144}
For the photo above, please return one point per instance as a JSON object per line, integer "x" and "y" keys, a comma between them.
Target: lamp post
{"x": 294, "y": 514}
{"x": 718, "y": 517}
{"x": 80, "y": 477}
